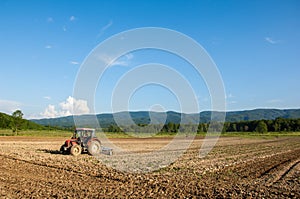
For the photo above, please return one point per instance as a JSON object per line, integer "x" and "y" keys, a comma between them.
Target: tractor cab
{"x": 83, "y": 135}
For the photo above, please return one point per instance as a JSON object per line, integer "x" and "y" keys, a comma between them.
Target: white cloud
{"x": 74, "y": 62}
{"x": 232, "y": 102}
{"x": 8, "y": 106}
{"x": 129, "y": 56}
{"x": 109, "y": 60}
{"x": 71, "y": 106}
{"x": 271, "y": 41}
{"x": 274, "y": 101}
{"x": 73, "y": 18}
{"x": 104, "y": 28}
{"x": 47, "y": 97}
{"x": 230, "y": 99}
{"x": 229, "y": 96}
{"x": 200, "y": 98}
{"x": 50, "y": 112}
{"x": 48, "y": 46}
{"x": 50, "y": 20}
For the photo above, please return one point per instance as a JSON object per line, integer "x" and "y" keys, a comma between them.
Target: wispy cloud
{"x": 230, "y": 99}
{"x": 73, "y": 18}
{"x": 48, "y": 46}
{"x": 229, "y": 96}
{"x": 104, "y": 28}
{"x": 274, "y": 101}
{"x": 203, "y": 99}
{"x": 271, "y": 41}
{"x": 50, "y": 20}
{"x": 9, "y": 106}
{"x": 129, "y": 56}
{"x": 109, "y": 60}
{"x": 232, "y": 102}
{"x": 64, "y": 28}
{"x": 47, "y": 97}
{"x": 74, "y": 62}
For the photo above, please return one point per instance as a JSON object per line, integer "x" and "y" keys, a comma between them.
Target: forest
{"x": 260, "y": 126}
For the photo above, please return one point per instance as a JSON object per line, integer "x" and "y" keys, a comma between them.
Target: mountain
{"x": 145, "y": 117}
{"x": 267, "y": 114}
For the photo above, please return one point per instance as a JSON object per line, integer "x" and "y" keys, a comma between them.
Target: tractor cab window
{"x": 85, "y": 134}
{"x": 77, "y": 134}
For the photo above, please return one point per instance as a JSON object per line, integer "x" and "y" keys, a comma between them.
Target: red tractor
{"x": 83, "y": 140}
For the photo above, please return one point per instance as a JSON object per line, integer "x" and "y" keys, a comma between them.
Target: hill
{"x": 144, "y": 117}
{"x": 6, "y": 123}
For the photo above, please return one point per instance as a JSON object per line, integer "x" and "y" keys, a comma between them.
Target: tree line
{"x": 260, "y": 126}
{"x": 277, "y": 125}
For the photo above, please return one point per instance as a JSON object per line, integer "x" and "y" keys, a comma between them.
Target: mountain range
{"x": 145, "y": 117}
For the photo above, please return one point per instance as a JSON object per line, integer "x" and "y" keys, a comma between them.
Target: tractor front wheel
{"x": 94, "y": 148}
{"x": 75, "y": 150}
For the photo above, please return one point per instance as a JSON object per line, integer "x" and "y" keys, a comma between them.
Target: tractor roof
{"x": 84, "y": 129}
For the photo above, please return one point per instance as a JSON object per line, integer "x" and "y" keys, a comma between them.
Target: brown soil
{"x": 235, "y": 168}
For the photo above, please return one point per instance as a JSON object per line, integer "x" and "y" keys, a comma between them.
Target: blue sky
{"x": 255, "y": 45}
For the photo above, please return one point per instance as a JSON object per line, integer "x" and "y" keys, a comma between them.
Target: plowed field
{"x": 236, "y": 168}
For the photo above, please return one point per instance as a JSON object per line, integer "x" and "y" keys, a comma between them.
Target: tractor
{"x": 83, "y": 140}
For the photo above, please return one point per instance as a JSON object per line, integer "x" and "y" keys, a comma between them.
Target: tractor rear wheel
{"x": 75, "y": 150}
{"x": 94, "y": 148}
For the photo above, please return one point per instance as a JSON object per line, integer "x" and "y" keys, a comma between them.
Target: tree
{"x": 261, "y": 127}
{"x": 114, "y": 128}
{"x": 233, "y": 127}
{"x": 17, "y": 120}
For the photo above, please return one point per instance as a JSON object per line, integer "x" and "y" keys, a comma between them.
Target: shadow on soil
{"x": 50, "y": 151}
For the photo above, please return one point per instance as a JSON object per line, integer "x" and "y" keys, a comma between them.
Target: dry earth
{"x": 236, "y": 168}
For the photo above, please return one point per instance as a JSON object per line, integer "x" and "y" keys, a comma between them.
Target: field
{"x": 236, "y": 168}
